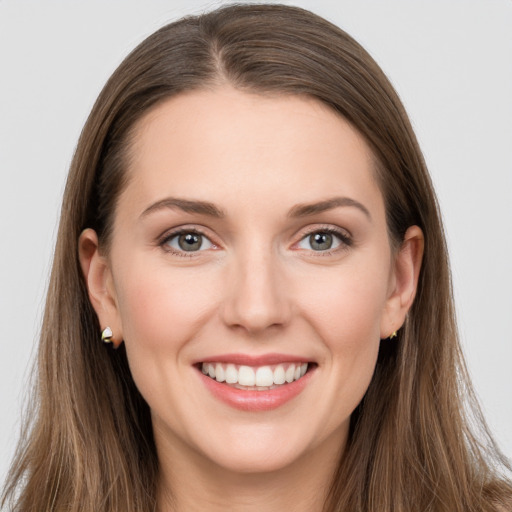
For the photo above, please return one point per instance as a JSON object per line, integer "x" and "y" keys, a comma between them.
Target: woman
{"x": 250, "y": 227}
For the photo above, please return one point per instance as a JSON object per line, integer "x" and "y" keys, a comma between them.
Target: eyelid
{"x": 169, "y": 234}
{"x": 343, "y": 235}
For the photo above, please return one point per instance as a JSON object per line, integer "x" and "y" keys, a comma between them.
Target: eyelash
{"x": 165, "y": 239}
{"x": 344, "y": 238}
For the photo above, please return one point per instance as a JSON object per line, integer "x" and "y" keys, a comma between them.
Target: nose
{"x": 257, "y": 297}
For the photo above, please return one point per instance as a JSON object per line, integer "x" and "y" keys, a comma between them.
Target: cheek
{"x": 162, "y": 307}
{"x": 345, "y": 309}
{"x": 349, "y": 326}
{"x": 347, "y": 304}
{"x": 161, "y": 311}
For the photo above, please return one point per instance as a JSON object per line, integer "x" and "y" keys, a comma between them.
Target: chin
{"x": 266, "y": 448}
{"x": 256, "y": 460}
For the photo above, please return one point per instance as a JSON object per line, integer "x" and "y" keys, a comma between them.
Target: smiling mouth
{"x": 255, "y": 378}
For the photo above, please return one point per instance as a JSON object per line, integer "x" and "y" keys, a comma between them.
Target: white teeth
{"x": 279, "y": 375}
{"x": 219, "y": 373}
{"x": 246, "y": 376}
{"x": 290, "y": 373}
{"x": 263, "y": 377}
{"x": 231, "y": 374}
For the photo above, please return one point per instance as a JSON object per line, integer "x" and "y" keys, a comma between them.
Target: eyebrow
{"x": 305, "y": 210}
{"x": 189, "y": 206}
{"x": 209, "y": 209}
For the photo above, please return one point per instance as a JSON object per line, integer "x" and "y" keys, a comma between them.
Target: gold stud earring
{"x": 106, "y": 335}
{"x": 394, "y": 334}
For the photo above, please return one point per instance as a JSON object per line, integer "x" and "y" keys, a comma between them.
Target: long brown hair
{"x": 412, "y": 446}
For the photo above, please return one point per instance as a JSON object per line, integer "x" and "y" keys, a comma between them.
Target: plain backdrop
{"x": 451, "y": 62}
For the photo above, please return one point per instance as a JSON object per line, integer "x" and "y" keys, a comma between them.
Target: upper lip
{"x": 251, "y": 360}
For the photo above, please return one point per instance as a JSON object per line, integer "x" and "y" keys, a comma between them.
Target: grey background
{"x": 451, "y": 63}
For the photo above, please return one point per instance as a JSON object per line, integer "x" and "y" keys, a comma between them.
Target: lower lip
{"x": 256, "y": 400}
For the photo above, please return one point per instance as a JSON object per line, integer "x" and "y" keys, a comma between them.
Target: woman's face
{"x": 250, "y": 243}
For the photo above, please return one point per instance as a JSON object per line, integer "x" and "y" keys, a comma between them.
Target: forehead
{"x": 215, "y": 143}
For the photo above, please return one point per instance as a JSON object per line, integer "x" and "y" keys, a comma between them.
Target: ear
{"x": 100, "y": 285}
{"x": 403, "y": 281}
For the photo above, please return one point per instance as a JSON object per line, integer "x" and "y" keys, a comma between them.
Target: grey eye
{"x": 320, "y": 241}
{"x": 189, "y": 242}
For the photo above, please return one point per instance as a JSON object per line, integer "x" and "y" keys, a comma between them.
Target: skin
{"x": 258, "y": 286}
